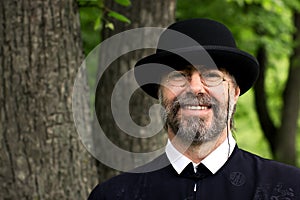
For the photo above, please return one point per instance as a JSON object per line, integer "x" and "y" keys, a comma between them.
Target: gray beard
{"x": 193, "y": 130}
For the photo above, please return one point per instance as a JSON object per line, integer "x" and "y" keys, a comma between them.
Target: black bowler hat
{"x": 196, "y": 42}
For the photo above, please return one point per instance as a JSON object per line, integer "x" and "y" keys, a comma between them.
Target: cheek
{"x": 220, "y": 93}
{"x": 169, "y": 93}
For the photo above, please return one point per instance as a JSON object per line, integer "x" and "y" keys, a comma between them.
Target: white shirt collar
{"x": 214, "y": 161}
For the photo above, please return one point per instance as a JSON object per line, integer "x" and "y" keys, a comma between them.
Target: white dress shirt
{"x": 214, "y": 161}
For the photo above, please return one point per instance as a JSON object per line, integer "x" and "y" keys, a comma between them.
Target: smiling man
{"x": 198, "y": 75}
{"x": 198, "y": 103}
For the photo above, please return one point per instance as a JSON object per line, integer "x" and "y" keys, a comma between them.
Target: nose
{"x": 196, "y": 85}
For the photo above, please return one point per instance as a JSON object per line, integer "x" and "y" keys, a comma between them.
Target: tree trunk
{"x": 261, "y": 100}
{"x": 282, "y": 139}
{"x": 41, "y": 156}
{"x": 286, "y": 137}
{"x": 144, "y": 13}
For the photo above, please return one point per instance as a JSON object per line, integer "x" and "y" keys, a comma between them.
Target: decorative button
{"x": 237, "y": 178}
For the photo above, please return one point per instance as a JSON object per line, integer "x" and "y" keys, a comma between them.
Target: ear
{"x": 237, "y": 93}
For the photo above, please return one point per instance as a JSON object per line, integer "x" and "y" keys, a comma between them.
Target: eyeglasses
{"x": 209, "y": 78}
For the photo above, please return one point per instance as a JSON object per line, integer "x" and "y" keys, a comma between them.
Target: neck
{"x": 198, "y": 152}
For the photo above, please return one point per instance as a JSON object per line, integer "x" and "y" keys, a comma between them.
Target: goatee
{"x": 194, "y": 130}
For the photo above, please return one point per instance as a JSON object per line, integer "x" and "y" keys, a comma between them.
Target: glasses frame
{"x": 185, "y": 78}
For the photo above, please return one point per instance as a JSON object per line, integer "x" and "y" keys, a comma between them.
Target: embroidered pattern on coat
{"x": 279, "y": 192}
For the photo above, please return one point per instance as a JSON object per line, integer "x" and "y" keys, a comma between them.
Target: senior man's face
{"x": 196, "y": 103}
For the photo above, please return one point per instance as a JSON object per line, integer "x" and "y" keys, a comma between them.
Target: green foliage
{"x": 90, "y": 27}
{"x": 93, "y": 17}
{"x": 123, "y": 2}
{"x": 119, "y": 17}
{"x": 248, "y": 134}
{"x": 97, "y": 25}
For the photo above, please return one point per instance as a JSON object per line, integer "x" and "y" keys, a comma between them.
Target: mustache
{"x": 190, "y": 98}
{"x": 171, "y": 107}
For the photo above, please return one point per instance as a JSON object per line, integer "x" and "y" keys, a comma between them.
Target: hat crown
{"x": 193, "y": 32}
{"x": 196, "y": 42}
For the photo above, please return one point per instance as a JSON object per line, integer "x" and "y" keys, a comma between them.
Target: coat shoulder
{"x": 116, "y": 186}
{"x": 128, "y": 185}
{"x": 269, "y": 166}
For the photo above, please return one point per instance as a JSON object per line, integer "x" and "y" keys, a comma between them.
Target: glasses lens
{"x": 178, "y": 79}
{"x": 208, "y": 77}
{"x": 212, "y": 77}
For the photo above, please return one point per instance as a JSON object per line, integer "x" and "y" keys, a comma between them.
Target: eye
{"x": 211, "y": 75}
{"x": 177, "y": 76}
{"x": 212, "y": 78}
{"x": 177, "y": 79}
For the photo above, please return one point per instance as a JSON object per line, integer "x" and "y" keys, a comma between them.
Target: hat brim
{"x": 241, "y": 65}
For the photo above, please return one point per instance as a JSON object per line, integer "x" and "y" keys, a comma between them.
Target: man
{"x": 198, "y": 74}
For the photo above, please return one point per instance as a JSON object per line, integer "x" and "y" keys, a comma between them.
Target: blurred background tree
{"x": 118, "y": 16}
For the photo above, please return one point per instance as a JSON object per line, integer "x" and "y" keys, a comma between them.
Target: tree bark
{"x": 286, "y": 137}
{"x": 282, "y": 139}
{"x": 261, "y": 100}
{"x": 41, "y": 156}
{"x": 144, "y": 13}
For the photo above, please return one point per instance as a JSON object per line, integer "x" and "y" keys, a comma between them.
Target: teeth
{"x": 196, "y": 107}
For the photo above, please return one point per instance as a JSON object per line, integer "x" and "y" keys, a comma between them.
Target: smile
{"x": 196, "y": 107}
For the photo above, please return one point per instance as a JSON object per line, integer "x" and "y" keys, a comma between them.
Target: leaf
{"x": 110, "y": 26}
{"x": 119, "y": 17}
{"x": 123, "y": 2}
{"x": 97, "y": 24}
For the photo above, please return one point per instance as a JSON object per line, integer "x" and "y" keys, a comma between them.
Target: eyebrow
{"x": 190, "y": 68}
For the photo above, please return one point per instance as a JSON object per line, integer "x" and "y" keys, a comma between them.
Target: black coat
{"x": 244, "y": 176}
